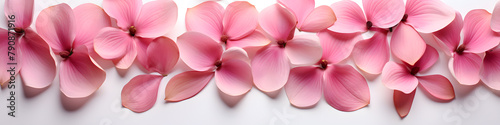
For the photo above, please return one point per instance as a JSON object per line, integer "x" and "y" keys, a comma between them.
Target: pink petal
{"x": 4, "y": 58}
{"x": 303, "y": 88}
{"x": 438, "y": 86}
{"x": 198, "y": 51}
{"x": 270, "y": 68}
{"x": 450, "y": 35}
{"x": 302, "y": 50}
{"x": 278, "y": 22}
{"x": 428, "y": 59}
{"x": 234, "y": 77}
{"x": 142, "y": 46}
{"x": 206, "y": 18}
{"x": 124, "y": 11}
{"x": 319, "y": 19}
{"x": 337, "y": 46}
{"x": 112, "y": 43}
{"x": 156, "y": 18}
{"x": 384, "y": 13}
{"x": 372, "y": 54}
{"x": 90, "y": 19}
{"x": 478, "y": 36}
{"x": 406, "y": 44}
{"x": 140, "y": 93}
{"x": 428, "y": 15}
{"x": 495, "y": 18}
{"x": 22, "y": 11}
{"x": 128, "y": 59}
{"x": 79, "y": 75}
{"x": 491, "y": 69}
{"x": 255, "y": 39}
{"x": 345, "y": 88}
{"x": 186, "y": 85}
{"x": 56, "y": 25}
{"x": 162, "y": 55}
{"x": 396, "y": 76}
{"x": 402, "y": 102}
{"x": 235, "y": 53}
{"x": 38, "y": 66}
{"x": 300, "y": 8}
{"x": 350, "y": 17}
{"x": 240, "y": 19}
{"x": 466, "y": 68}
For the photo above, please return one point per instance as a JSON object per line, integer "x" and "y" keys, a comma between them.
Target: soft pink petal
{"x": 278, "y": 22}
{"x": 128, "y": 59}
{"x": 112, "y": 43}
{"x": 186, "y": 85}
{"x": 384, "y": 13}
{"x": 319, "y": 19}
{"x": 428, "y": 15}
{"x": 337, "y": 46}
{"x": 162, "y": 55}
{"x": 22, "y": 11}
{"x": 199, "y": 51}
{"x": 428, "y": 59}
{"x": 206, "y": 18}
{"x": 240, "y": 19}
{"x": 56, "y": 25}
{"x": 397, "y": 76}
{"x": 142, "y": 47}
{"x": 466, "y": 68}
{"x": 255, "y": 39}
{"x": 350, "y": 17}
{"x": 372, "y": 54}
{"x": 450, "y": 35}
{"x": 402, "y": 102}
{"x": 495, "y": 18}
{"x": 4, "y": 58}
{"x": 234, "y": 77}
{"x": 124, "y": 11}
{"x": 303, "y": 50}
{"x": 490, "y": 71}
{"x": 300, "y": 8}
{"x": 140, "y": 93}
{"x": 89, "y": 19}
{"x": 270, "y": 68}
{"x": 235, "y": 53}
{"x": 304, "y": 86}
{"x": 438, "y": 86}
{"x": 38, "y": 66}
{"x": 79, "y": 75}
{"x": 345, "y": 88}
{"x": 478, "y": 36}
{"x": 156, "y": 18}
{"x": 406, "y": 44}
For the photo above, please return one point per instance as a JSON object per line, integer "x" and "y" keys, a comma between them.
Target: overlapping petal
{"x": 124, "y": 11}
{"x": 112, "y": 43}
{"x": 478, "y": 36}
{"x": 240, "y": 19}
{"x": 21, "y": 10}
{"x": 345, "y": 88}
{"x": 491, "y": 69}
{"x": 428, "y": 59}
{"x": 319, "y": 19}
{"x": 198, "y": 51}
{"x": 396, "y": 76}
{"x": 350, "y": 17}
{"x": 156, "y": 18}
{"x": 56, "y": 25}
{"x": 186, "y": 85}
{"x": 303, "y": 50}
{"x": 428, "y": 16}
{"x": 140, "y": 93}
{"x": 90, "y": 19}
{"x": 466, "y": 68}
{"x": 270, "y": 68}
{"x": 449, "y": 37}
{"x": 384, "y": 13}
{"x": 38, "y": 66}
{"x": 304, "y": 86}
{"x": 234, "y": 77}
{"x": 337, "y": 46}
{"x": 437, "y": 86}
{"x": 277, "y": 22}
{"x": 406, "y": 44}
{"x": 162, "y": 55}
{"x": 206, "y": 18}
{"x": 372, "y": 54}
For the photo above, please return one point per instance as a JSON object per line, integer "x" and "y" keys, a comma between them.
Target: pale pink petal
{"x": 240, "y": 19}
{"x": 495, "y": 18}
{"x": 437, "y": 86}
{"x": 337, "y": 46}
{"x": 372, "y": 54}
{"x": 304, "y": 86}
{"x": 450, "y": 35}
{"x": 112, "y": 43}
{"x": 79, "y": 75}
{"x": 124, "y": 11}
{"x": 234, "y": 77}
{"x": 128, "y": 59}
{"x": 350, "y": 17}
{"x": 89, "y": 19}
{"x": 300, "y": 8}
{"x": 345, "y": 89}
{"x": 397, "y": 76}
{"x": 56, "y": 25}
{"x": 466, "y": 68}
{"x": 478, "y": 36}
{"x": 428, "y": 16}
{"x": 428, "y": 59}
{"x": 303, "y": 50}
{"x": 406, "y": 44}
{"x": 186, "y": 85}
{"x": 235, "y": 53}
{"x": 206, "y": 18}
{"x": 490, "y": 71}
{"x": 199, "y": 51}
{"x": 384, "y": 13}
{"x": 140, "y": 93}
{"x": 156, "y": 18}
{"x": 278, "y": 22}
{"x": 255, "y": 39}
{"x": 21, "y": 11}
{"x": 270, "y": 68}
{"x": 319, "y": 19}
{"x": 162, "y": 55}
{"x": 402, "y": 102}
{"x": 38, "y": 66}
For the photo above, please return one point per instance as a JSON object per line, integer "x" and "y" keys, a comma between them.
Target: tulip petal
{"x": 270, "y": 68}
{"x": 38, "y": 66}
{"x": 90, "y": 19}
{"x": 255, "y": 39}
{"x": 406, "y": 44}
{"x": 478, "y": 36}
{"x": 437, "y": 86}
{"x": 162, "y": 55}
{"x": 300, "y": 8}
{"x": 112, "y": 43}
{"x": 22, "y": 11}
{"x": 403, "y": 102}
{"x": 140, "y": 93}
{"x": 240, "y": 19}
{"x": 277, "y": 22}
{"x": 345, "y": 88}
{"x": 384, "y": 13}
{"x": 491, "y": 69}
{"x": 319, "y": 19}
{"x": 199, "y": 51}
{"x": 397, "y": 77}
{"x": 466, "y": 68}
{"x": 302, "y": 50}
{"x": 428, "y": 59}
{"x": 428, "y": 16}
{"x": 186, "y": 85}
{"x": 495, "y": 18}
{"x": 156, "y": 18}
{"x": 234, "y": 77}
{"x": 124, "y": 11}
{"x": 303, "y": 88}
{"x": 350, "y": 17}
{"x": 450, "y": 35}
{"x": 206, "y": 18}
{"x": 56, "y": 25}
{"x": 372, "y": 54}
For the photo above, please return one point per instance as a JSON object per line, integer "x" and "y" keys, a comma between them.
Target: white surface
{"x": 472, "y": 105}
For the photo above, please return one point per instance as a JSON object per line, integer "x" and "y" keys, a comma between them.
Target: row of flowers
{"x": 241, "y": 48}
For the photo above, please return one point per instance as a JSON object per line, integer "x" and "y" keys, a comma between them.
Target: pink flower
{"x": 231, "y": 68}
{"x": 138, "y": 24}
{"x": 308, "y": 18}
{"x": 69, "y": 33}
{"x": 234, "y": 27}
{"x": 271, "y": 64}
{"x": 344, "y": 88}
{"x": 403, "y": 79}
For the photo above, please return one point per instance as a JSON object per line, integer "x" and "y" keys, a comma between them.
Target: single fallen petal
{"x": 304, "y": 86}
{"x": 403, "y": 102}
{"x": 437, "y": 86}
{"x": 162, "y": 55}
{"x": 345, "y": 88}
{"x": 186, "y": 85}
{"x": 140, "y": 93}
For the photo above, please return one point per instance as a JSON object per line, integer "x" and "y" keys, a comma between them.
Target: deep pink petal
{"x": 402, "y": 102}
{"x": 112, "y": 43}
{"x": 270, "y": 68}
{"x": 140, "y": 93}
{"x": 384, "y": 13}
{"x": 38, "y": 66}
{"x": 304, "y": 86}
{"x": 478, "y": 36}
{"x": 319, "y": 19}
{"x": 406, "y": 44}
{"x": 124, "y": 11}
{"x": 428, "y": 15}
{"x": 438, "y": 86}
{"x": 450, "y": 35}
{"x": 162, "y": 55}
{"x": 199, "y": 51}
{"x": 206, "y": 18}
{"x": 255, "y": 39}
{"x": 186, "y": 85}
{"x": 490, "y": 71}
{"x": 240, "y": 19}
{"x": 21, "y": 11}
{"x": 278, "y": 22}
{"x": 337, "y": 46}
{"x": 156, "y": 18}
{"x": 90, "y": 19}
{"x": 428, "y": 59}
{"x": 56, "y": 25}
{"x": 396, "y": 76}
{"x": 372, "y": 54}
{"x": 495, "y": 18}
{"x": 300, "y": 8}
{"x": 345, "y": 88}
{"x": 350, "y": 17}
{"x": 303, "y": 50}
{"x": 466, "y": 68}
{"x": 234, "y": 77}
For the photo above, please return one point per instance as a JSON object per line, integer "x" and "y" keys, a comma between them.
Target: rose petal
{"x": 234, "y": 77}
{"x": 56, "y": 25}
{"x": 350, "y": 17}
{"x": 406, "y": 44}
{"x": 428, "y": 16}
{"x": 478, "y": 36}
{"x": 303, "y": 88}
{"x": 140, "y": 93}
{"x": 156, "y": 18}
{"x": 112, "y": 43}
{"x": 428, "y": 59}
{"x": 396, "y": 76}
{"x": 384, "y": 13}
{"x": 450, "y": 35}
{"x": 345, "y": 88}
{"x": 206, "y": 18}
{"x": 90, "y": 19}
{"x": 186, "y": 85}
{"x": 38, "y": 66}
{"x": 163, "y": 54}
{"x": 303, "y": 50}
{"x": 495, "y": 18}
{"x": 22, "y": 11}
{"x": 255, "y": 39}
{"x": 466, "y": 68}
{"x": 319, "y": 19}
{"x": 300, "y": 8}
{"x": 198, "y": 51}
{"x": 124, "y": 11}
{"x": 278, "y": 22}
{"x": 240, "y": 19}
{"x": 403, "y": 102}
{"x": 372, "y": 54}
{"x": 491, "y": 69}
{"x": 270, "y": 68}
{"x": 438, "y": 86}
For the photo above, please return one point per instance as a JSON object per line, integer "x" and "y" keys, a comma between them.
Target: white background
{"x": 472, "y": 105}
